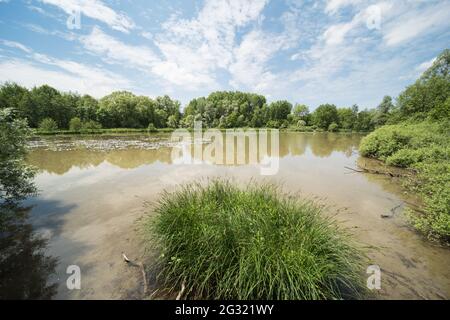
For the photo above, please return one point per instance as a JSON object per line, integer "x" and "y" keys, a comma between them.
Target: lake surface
{"x": 94, "y": 190}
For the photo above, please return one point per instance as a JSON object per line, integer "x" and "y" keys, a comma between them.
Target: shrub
{"x": 254, "y": 243}
{"x": 301, "y": 123}
{"x": 75, "y": 124}
{"x": 91, "y": 125}
{"x": 333, "y": 127}
{"x": 151, "y": 128}
{"x": 425, "y": 148}
{"x": 48, "y": 124}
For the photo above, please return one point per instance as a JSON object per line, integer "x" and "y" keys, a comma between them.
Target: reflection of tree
{"x": 323, "y": 144}
{"x": 132, "y": 158}
{"x": 60, "y": 162}
{"x": 24, "y": 267}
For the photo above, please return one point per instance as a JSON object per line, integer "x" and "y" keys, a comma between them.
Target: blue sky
{"x": 312, "y": 52}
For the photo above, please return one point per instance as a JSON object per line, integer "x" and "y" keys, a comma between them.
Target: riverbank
{"x": 37, "y": 132}
{"x": 423, "y": 149}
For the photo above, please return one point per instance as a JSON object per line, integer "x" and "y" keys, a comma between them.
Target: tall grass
{"x": 224, "y": 242}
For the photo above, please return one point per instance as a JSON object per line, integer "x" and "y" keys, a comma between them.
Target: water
{"x": 94, "y": 190}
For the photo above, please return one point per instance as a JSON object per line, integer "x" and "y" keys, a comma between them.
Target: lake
{"x": 94, "y": 190}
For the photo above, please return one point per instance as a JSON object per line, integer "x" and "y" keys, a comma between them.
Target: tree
{"x": 383, "y": 111}
{"x": 300, "y": 112}
{"x": 75, "y": 124}
{"x": 347, "y": 118}
{"x": 15, "y": 176}
{"x": 333, "y": 127}
{"x": 427, "y": 95}
{"x": 172, "y": 121}
{"x": 324, "y": 115}
{"x": 48, "y": 124}
{"x": 279, "y": 110}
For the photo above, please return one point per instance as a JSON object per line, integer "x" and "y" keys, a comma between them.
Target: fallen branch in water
{"x": 373, "y": 171}
{"x": 141, "y": 266}
{"x": 354, "y": 169}
{"x": 145, "y": 278}
{"x": 392, "y": 212}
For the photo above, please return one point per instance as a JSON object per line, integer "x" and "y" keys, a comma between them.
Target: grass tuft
{"x": 224, "y": 242}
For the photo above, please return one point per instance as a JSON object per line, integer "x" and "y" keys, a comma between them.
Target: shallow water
{"x": 93, "y": 191}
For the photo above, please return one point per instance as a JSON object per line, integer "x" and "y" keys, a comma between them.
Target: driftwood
{"x": 392, "y": 212}
{"x": 141, "y": 266}
{"x": 144, "y": 277}
{"x": 373, "y": 171}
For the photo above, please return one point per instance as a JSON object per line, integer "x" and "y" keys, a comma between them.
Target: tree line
{"x": 49, "y": 109}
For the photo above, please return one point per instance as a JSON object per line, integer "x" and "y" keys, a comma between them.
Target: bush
{"x": 252, "y": 243}
{"x": 301, "y": 123}
{"x": 91, "y": 125}
{"x": 424, "y": 148}
{"x": 48, "y": 124}
{"x": 151, "y": 128}
{"x": 75, "y": 124}
{"x": 333, "y": 127}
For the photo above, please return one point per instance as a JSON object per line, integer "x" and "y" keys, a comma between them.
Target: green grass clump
{"x": 224, "y": 242}
{"x": 425, "y": 149}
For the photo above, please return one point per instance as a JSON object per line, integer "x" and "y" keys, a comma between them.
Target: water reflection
{"x": 25, "y": 269}
{"x": 291, "y": 144}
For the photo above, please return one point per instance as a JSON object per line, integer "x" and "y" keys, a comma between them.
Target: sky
{"x": 343, "y": 52}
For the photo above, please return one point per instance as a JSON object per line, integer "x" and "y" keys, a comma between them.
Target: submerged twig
{"x": 145, "y": 278}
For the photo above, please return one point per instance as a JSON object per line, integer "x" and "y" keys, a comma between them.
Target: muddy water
{"x": 93, "y": 192}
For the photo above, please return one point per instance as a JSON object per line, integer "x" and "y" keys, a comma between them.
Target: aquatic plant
{"x": 223, "y": 242}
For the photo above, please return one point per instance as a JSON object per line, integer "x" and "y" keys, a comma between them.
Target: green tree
{"x": 325, "y": 115}
{"x": 279, "y": 110}
{"x": 347, "y": 118}
{"x": 300, "y": 112}
{"x": 15, "y": 176}
{"x": 75, "y": 124}
{"x": 48, "y": 124}
{"x": 383, "y": 111}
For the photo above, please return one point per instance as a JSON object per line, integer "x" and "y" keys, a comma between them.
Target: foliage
{"x": 91, "y": 125}
{"x": 151, "y": 127}
{"x": 252, "y": 243}
{"x": 48, "y": 124}
{"x": 75, "y": 124}
{"x": 325, "y": 115}
{"x": 424, "y": 148}
{"x": 15, "y": 176}
{"x": 333, "y": 127}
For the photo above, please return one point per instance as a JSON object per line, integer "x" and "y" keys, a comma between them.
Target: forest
{"x": 49, "y": 110}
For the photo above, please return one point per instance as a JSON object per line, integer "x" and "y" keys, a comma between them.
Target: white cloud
{"x": 113, "y": 50}
{"x": 333, "y": 6}
{"x": 202, "y": 45}
{"x": 249, "y": 67}
{"x": 425, "y": 65}
{"x": 409, "y": 24}
{"x": 68, "y": 76}
{"x": 16, "y": 45}
{"x": 94, "y": 82}
{"x": 95, "y": 9}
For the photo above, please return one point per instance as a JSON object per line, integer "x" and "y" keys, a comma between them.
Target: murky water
{"x": 93, "y": 192}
